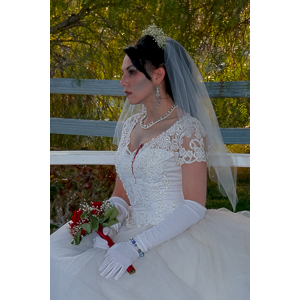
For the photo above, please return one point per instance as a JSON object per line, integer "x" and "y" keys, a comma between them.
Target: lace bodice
{"x": 151, "y": 175}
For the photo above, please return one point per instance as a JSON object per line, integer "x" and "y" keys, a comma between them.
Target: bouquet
{"x": 94, "y": 217}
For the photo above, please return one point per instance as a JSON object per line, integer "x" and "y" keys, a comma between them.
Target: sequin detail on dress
{"x": 152, "y": 192}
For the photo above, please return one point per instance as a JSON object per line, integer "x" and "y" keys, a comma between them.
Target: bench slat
{"x": 107, "y": 129}
{"x": 228, "y": 89}
{"x": 82, "y": 127}
{"x": 236, "y": 135}
{"x": 107, "y": 158}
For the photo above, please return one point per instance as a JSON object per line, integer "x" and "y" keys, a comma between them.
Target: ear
{"x": 159, "y": 75}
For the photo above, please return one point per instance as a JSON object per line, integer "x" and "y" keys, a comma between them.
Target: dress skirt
{"x": 210, "y": 260}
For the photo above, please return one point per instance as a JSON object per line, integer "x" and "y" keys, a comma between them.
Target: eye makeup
{"x": 128, "y": 68}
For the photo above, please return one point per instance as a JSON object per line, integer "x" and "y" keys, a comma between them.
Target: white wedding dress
{"x": 210, "y": 260}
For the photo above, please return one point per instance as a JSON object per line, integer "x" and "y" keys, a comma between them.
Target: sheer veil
{"x": 191, "y": 97}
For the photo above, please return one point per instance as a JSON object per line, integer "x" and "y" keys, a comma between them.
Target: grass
{"x": 216, "y": 200}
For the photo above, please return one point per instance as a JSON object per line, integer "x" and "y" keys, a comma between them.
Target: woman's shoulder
{"x": 192, "y": 124}
{"x": 189, "y": 141}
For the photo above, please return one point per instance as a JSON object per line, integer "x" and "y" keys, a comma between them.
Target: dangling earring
{"x": 158, "y": 98}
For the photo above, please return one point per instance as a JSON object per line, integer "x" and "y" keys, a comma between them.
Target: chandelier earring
{"x": 158, "y": 98}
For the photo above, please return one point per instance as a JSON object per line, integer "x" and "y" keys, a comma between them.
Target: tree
{"x": 87, "y": 37}
{"x": 87, "y": 40}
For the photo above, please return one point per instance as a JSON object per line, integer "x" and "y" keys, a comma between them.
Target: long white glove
{"x": 122, "y": 255}
{"x": 111, "y": 231}
{"x": 189, "y": 213}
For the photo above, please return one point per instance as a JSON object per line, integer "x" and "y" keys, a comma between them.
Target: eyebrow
{"x": 128, "y": 67}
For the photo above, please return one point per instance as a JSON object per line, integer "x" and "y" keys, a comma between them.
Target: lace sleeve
{"x": 188, "y": 143}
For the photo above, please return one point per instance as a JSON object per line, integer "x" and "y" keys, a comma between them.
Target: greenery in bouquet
{"x": 88, "y": 218}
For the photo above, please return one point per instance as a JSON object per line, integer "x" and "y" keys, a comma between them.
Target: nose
{"x": 122, "y": 82}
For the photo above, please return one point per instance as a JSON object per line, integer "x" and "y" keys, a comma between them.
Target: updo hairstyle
{"x": 146, "y": 54}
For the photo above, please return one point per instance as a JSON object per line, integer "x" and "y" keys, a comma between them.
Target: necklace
{"x": 154, "y": 122}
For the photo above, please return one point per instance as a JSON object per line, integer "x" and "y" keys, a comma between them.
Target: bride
{"x": 168, "y": 137}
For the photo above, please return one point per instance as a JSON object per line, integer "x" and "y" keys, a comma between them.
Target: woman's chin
{"x": 132, "y": 101}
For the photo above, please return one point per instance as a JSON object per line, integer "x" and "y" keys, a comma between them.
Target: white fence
{"x": 233, "y": 89}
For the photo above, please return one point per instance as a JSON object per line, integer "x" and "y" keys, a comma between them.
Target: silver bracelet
{"x": 141, "y": 253}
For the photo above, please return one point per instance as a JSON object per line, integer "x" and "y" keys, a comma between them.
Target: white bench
{"x": 86, "y": 157}
{"x": 106, "y": 128}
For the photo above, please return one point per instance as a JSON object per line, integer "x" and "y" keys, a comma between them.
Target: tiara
{"x": 157, "y": 34}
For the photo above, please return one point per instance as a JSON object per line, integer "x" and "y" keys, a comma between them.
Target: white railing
{"x": 107, "y": 158}
{"x": 239, "y": 89}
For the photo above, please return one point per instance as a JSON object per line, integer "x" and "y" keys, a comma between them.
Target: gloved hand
{"x": 111, "y": 231}
{"x": 99, "y": 242}
{"x": 122, "y": 207}
{"x": 117, "y": 259}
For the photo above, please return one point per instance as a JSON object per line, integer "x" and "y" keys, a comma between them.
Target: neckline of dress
{"x": 135, "y": 121}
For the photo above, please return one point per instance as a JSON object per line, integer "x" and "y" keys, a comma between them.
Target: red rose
{"x": 76, "y": 215}
{"x": 96, "y": 204}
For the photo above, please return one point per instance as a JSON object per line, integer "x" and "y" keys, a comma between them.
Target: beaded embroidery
{"x": 154, "y": 180}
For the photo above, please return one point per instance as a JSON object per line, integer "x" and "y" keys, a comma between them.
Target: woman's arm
{"x": 119, "y": 190}
{"x": 121, "y": 255}
{"x": 194, "y": 182}
{"x": 192, "y": 159}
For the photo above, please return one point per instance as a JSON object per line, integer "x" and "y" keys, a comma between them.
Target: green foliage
{"x": 83, "y": 107}
{"x": 232, "y": 112}
{"x": 110, "y": 217}
{"x": 86, "y": 42}
{"x": 77, "y": 238}
{"x": 72, "y": 185}
{"x": 88, "y": 37}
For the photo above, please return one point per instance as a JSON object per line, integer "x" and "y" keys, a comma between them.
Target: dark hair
{"x": 146, "y": 51}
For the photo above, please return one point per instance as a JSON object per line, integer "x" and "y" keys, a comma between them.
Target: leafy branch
{"x": 72, "y": 21}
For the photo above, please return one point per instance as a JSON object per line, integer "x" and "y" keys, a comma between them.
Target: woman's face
{"x": 138, "y": 88}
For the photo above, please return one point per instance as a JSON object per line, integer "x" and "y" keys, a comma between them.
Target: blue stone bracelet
{"x": 141, "y": 253}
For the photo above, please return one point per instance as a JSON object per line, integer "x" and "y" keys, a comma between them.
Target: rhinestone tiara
{"x": 157, "y": 34}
